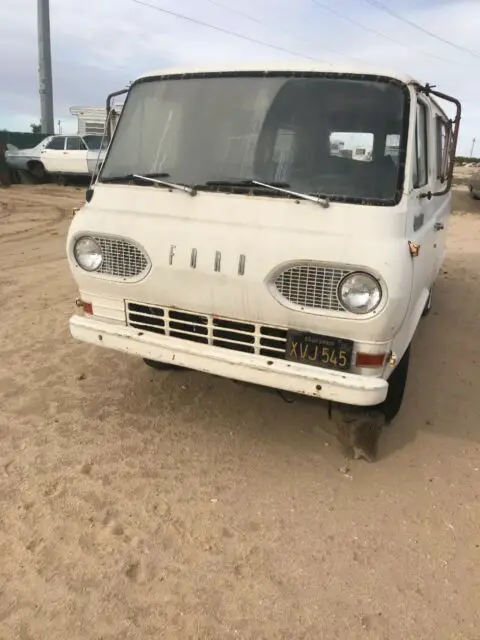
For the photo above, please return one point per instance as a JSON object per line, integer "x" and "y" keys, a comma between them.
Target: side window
{"x": 57, "y": 144}
{"x": 75, "y": 143}
{"x": 441, "y": 130}
{"x": 352, "y": 144}
{"x": 420, "y": 171}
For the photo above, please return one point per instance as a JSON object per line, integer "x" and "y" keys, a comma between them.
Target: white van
{"x": 225, "y": 233}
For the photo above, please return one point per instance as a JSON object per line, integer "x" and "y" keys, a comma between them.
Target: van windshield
{"x": 333, "y": 136}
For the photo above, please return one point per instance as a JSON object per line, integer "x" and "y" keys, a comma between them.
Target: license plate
{"x": 319, "y": 351}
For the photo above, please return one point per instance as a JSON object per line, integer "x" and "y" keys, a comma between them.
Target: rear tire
{"x": 473, "y": 193}
{"x": 390, "y": 407}
{"x": 37, "y": 170}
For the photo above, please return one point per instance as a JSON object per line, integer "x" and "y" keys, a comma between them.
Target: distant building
{"x": 89, "y": 119}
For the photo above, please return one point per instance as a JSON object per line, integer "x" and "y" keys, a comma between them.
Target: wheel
{"x": 428, "y": 304}
{"x": 396, "y": 389}
{"x": 37, "y": 170}
{"x": 160, "y": 366}
{"x": 473, "y": 193}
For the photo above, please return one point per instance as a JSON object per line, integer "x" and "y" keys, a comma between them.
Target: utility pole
{"x": 473, "y": 147}
{"x": 45, "y": 85}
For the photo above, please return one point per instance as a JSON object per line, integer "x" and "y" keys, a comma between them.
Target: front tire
{"x": 428, "y": 304}
{"x": 160, "y": 366}
{"x": 390, "y": 407}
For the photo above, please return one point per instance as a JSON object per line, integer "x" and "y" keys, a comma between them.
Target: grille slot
{"x": 192, "y": 337}
{"x": 141, "y": 308}
{"x": 219, "y": 332}
{"x": 273, "y": 342}
{"x": 121, "y": 258}
{"x": 192, "y": 318}
{"x": 233, "y": 324}
{"x": 311, "y": 286}
{"x": 231, "y": 334}
{"x": 188, "y": 328}
{"x": 234, "y": 346}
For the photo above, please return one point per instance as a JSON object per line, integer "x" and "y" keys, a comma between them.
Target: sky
{"x": 98, "y": 46}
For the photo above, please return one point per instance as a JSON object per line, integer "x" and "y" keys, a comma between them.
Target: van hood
{"x": 221, "y": 254}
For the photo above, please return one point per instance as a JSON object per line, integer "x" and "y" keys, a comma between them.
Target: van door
{"x": 422, "y": 229}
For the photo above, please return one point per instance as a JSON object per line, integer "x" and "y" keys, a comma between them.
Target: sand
{"x": 140, "y": 504}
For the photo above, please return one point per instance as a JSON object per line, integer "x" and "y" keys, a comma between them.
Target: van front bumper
{"x": 312, "y": 381}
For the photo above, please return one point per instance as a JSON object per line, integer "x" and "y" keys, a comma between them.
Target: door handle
{"x": 439, "y": 226}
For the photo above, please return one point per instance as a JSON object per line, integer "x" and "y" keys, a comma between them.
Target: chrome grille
{"x": 121, "y": 258}
{"x": 206, "y": 329}
{"x": 311, "y": 286}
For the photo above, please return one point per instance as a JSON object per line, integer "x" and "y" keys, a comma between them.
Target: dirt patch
{"x": 463, "y": 202}
{"x": 139, "y": 504}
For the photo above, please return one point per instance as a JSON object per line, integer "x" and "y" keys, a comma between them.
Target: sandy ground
{"x": 139, "y": 504}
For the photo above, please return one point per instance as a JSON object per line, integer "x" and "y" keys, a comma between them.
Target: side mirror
{"x": 109, "y": 110}
{"x": 428, "y": 195}
{"x": 451, "y": 142}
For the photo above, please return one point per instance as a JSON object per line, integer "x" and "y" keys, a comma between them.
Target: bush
{"x": 459, "y": 160}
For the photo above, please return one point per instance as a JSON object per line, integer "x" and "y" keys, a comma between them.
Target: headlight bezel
{"x": 112, "y": 269}
{"x": 361, "y": 311}
{"x": 82, "y": 265}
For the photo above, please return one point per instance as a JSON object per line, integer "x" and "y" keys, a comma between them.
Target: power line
{"x": 241, "y": 36}
{"x": 238, "y": 12}
{"x": 382, "y": 7}
{"x": 247, "y": 16}
{"x": 222, "y": 30}
{"x": 371, "y": 30}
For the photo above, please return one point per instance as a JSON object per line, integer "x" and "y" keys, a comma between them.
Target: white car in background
{"x": 60, "y": 156}
{"x": 65, "y": 156}
{"x": 27, "y": 159}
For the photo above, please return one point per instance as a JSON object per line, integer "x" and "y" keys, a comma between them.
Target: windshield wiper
{"x": 173, "y": 185}
{"x": 242, "y": 182}
{"x": 154, "y": 179}
{"x": 280, "y": 187}
{"x": 131, "y": 176}
{"x": 324, "y": 202}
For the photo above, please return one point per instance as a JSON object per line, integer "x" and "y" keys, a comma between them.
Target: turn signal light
{"x": 370, "y": 359}
{"x": 86, "y": 306}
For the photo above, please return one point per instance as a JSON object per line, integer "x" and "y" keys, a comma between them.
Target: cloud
{"x": 99, "y": 46}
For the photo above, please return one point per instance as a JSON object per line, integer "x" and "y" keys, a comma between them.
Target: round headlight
{"x": 360, "y": 293}
{"x": 88, "y": 253}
